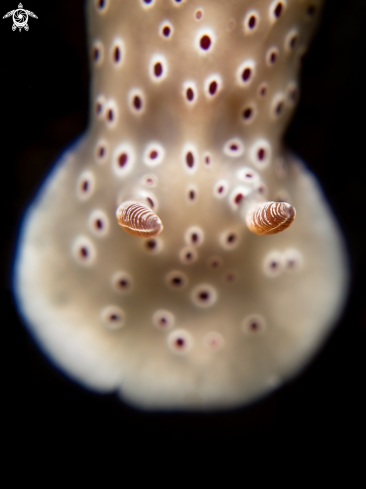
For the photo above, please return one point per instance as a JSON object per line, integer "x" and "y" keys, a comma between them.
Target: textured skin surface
{"x": 290, "y": 286}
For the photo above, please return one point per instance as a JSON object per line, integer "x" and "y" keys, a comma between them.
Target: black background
{"x": 44, "y": 88}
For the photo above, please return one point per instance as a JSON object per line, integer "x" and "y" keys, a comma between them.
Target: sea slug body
{"x": 179, "y": 254}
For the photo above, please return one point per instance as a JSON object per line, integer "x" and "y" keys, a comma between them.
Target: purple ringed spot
{"x": 247, "y": 113}
{"x": 252, "y": 22}
{"x": 247, "y": 72}
{"x": 176, "y": 279}
{"x": 238, "y": 198}
{"x": 151, "y": 244}
{"x": 84, "y": 251}
{"x": 112, "y": 317}
{"x": 198, "y": 14}
{"x": 163, "y": 320}
{"x": 190, "y": 159}
{"x": 213, "y": 341}
{"x": 194, "y": 236}
{"x": 137, "y": 102}
{"x": 190, "y": 94}
{"x": 179, "y": 342}
{"x": 212, "y": 88}
{"x": 205, "y": 42}
{"x": 95, "y": 54}
{"x": 204, "y": 295}
{"x": 122, "y": 160}
{"x": 158, "y": 69}
{"x": 253, "y": 325}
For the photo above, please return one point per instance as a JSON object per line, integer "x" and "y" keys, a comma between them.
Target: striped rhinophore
{"x": 138, "y": 219}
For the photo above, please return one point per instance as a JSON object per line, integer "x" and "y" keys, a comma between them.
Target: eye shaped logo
{"x": 20, "y": 17}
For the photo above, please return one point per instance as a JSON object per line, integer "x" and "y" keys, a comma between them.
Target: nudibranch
{"x": 179, "y": 254}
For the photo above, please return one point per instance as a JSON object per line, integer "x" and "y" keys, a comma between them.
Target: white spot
{"x": 176, "y": 279}
{"x": 291, "y": 40}
{"x": 149, "y": 180}
{"x": 180, "y": 342}
{"x": 98, "y": 223}
{"x": 272, "y": 56}
{"x": 152, "y": 245}
{"x": 229, "y": 239}
{"x": 101, "y": 151}
{"x": 251, "y": 22}
{"x": 205, "y": 40}
{"x": 111, "y": 113}
{"x": 214, "y": 262}
{"x": 136, "y": 101}
{"x": 189, "y": 158}
{"x": 113, "y": 317}
{"x": 253, "y": 325}
{"x": 163, "y": 320}
{"x": 212, "y": 85}
{"x": 188, "y": 255}
{"x": 121, "y": 281}
{"x": 213, "y": 341}
{"x": 100, "y": 106}
{"x": 85, "y": 185}
{"x": 166, "y": 30}
{"x": 247, "y": 175}
{"x": 238, "y": 196}
{"x": 153, "y": 154}
{"x": 273, "y": 264}
{"x": 234, "y": 147}
{"x": 117, "y": 53}
{"x": 194, "y": 236}
{"x": 293, "y": 260}
{"x": 189, "y": 92}
{"x": 221, "y": 189}
{"x": 97, "y": 53}
{"x": 123, "y": 159}
{"x": 245, "y": 73}
{"x": 277, "y": 105}
{"x": 276, "y": 10}
{"x": 84, "y": 251}
{"x": 260, "y": 153}
{"x": 204, "y": 295}
{"x": 158, "y": 69}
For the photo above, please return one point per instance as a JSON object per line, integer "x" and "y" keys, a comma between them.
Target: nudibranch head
{"x": 215, "y": 294}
